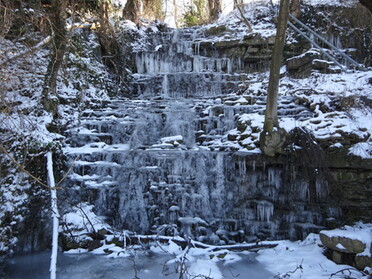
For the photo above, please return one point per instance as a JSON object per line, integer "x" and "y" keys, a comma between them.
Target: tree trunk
{"x": 214, "y": 9}
{"x": 59, "y": 41}
{"x": 295, "y": 8}
{"x": 367, "y": 4}
{"x": 272, "y": 140}
{"x": 132, "y": 10}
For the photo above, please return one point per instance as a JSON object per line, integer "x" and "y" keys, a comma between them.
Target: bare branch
{"x": 43, "y": 42}
{"x": 21, "y": 168}
{"x": 68, "y": 172}
{"x": 245, "y": 20}
{"x": 28, "y": 51}
{"x": 86, "y": 216}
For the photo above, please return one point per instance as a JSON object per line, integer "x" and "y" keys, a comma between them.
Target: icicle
{"x": 165, "y": 86}
{"x": 242, "y": 167}
{"x": 264, "y": 210}
{"x": 197, "y": 48}
{"x": 229, "y": 66}
{"x": 274, "y": 177}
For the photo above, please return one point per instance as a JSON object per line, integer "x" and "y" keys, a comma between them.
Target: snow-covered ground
{"x": 300, "y": 259}
{"x": 286, "y": 259}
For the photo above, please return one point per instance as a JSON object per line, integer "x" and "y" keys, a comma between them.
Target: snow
{"x": 300, "y": 260}
{"x": 340, "y": 246}
{"x": 343, "y": 3}
{"x": 205, "y": 268}
{"x": 82, "y": 220}
{"x": 55, "y": 216}
{"x": 360, "y": 231}
{"x": 96, "y": 147}
{"x": 362, "y": 149}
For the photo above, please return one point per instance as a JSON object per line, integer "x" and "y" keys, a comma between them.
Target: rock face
{"x": 329, "y": 21}
{"x": 351, "y": 187}
{"x": 302, "y": 65}
{"x": 170, "y": 160}
{"x": 143, "y": 180}
{"x": 350, "y": 245}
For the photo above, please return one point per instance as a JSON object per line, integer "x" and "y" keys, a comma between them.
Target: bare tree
{"x": 57, "y": 14}
{"x": 272, "y": 138}
{"x": 214, "y": 9}
{"x": 132, "y": 10}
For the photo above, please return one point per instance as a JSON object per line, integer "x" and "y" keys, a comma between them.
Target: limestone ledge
{"x": 350, "y": 245}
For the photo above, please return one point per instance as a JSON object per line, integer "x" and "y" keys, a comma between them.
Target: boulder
{"x": 322, "y": 65}
{"x": 300, "y": 66}
{"x": 342, "y": 244}
{"x": 349, "y": 245}
{"x": 362, "y": 261}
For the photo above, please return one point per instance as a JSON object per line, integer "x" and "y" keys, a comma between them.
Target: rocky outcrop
{"x": 253, "y": 50}
{"x": 351, "y": 176}
{"x": 349, "y": 245}
{"x": 302, "y": 65}
{"x": 330, "y": 22}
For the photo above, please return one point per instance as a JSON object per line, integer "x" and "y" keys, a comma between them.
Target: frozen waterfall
{"x": 161, "y": 162}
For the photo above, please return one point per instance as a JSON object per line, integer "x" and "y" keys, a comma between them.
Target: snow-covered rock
{"x": 354, "y": 240}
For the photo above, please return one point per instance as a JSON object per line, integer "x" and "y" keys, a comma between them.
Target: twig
{"x": 44, "y": 42}
{"x": 28, "y": 51}
{"x": 86, "y": 216}
{"x": 68, "y": 172}
{"x": 135, "y": 269}
{"x": 299, "y": 267}
{"x": 243, "y": 16}
{"x": 349, "y": 269}
{"x": 37, "y": 180}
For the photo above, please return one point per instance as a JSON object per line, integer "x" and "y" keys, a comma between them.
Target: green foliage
{"x": 190, "y": 18}
{"x": 196, "y": 14}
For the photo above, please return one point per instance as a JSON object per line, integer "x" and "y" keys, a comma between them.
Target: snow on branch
{"x": 55, "y": 215}
{"x": 44, "y": 42}
{"x": 28, "y": 51}
{"x": 37, "y": 180}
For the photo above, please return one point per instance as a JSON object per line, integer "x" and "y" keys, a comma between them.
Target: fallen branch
{"x": 140, "y": 239}
{"x": 287, "y": 274}
{"x": 350, "y": 270}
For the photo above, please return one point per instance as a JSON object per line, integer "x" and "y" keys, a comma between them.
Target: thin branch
{"x": 28, "y": 51}
{"x": 43, "y": 42}
{"x": 68, "y": 172}
{"x": 243, "y": 16}
{"x": 350, "y": 270}
{"x": 21, "y": 168}
{"x": 86, "y": 216}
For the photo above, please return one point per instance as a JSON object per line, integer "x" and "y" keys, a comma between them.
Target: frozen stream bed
{"x": 150, "y": 266}
{"x": 299, "y": 259}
